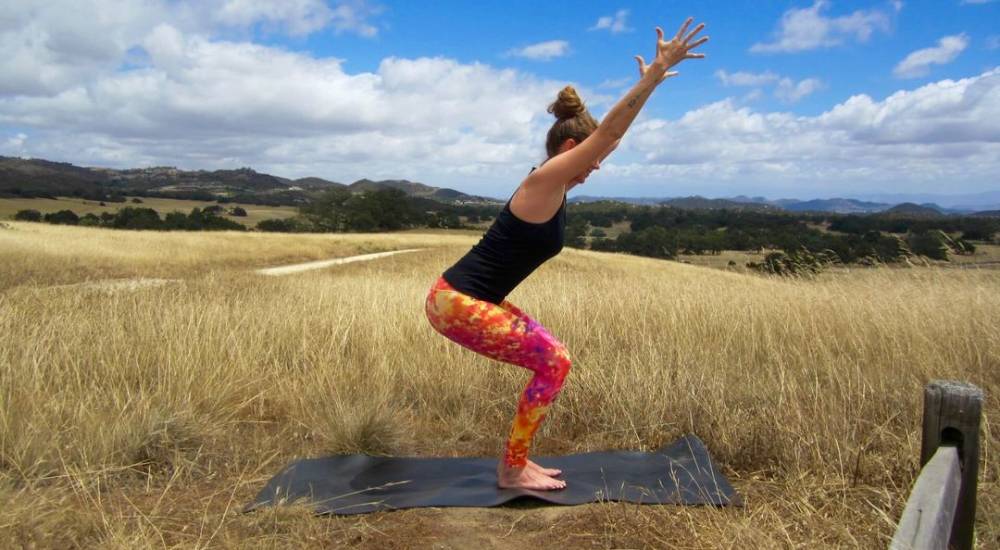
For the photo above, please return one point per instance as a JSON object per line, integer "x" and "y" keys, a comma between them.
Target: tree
{"x": 327, "y": 212}
{"x": 63, "y": 217}
{"x": 28, "y": 215}
{"x": 90, "y": 220}
{"x": 928, "y": 243}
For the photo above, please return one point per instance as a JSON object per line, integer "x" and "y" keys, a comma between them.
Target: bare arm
{"x": 560, "y": 169}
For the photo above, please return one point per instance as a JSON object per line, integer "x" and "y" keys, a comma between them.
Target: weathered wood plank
{"x": 930, "y": 511}
{"x": 952, "y": 412}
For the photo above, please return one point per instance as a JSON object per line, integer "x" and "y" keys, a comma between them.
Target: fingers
{"x": 642, "y": 65}
{"x": 699, "y": 42}
{"x": 659, "y": 33}
{"x": 683, "y": 28}
{"x": 694, "y": 55}
{"x": 694, "y": 32}
{"x": 670, "y": 74}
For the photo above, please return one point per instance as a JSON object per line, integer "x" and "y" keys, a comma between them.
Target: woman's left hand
{"x": 672, "y": 52}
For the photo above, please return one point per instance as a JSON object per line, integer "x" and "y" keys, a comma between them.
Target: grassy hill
{"x": 148, "y": 417}
{"x": 255, "y": 212}
{"x": 27, "y": 178}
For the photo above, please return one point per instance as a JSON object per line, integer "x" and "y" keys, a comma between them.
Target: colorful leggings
{"x": 504, "y": 333}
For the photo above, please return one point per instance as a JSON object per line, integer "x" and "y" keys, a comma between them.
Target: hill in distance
{"x": 911, "y": 210}
{"x": 42, "y": 178}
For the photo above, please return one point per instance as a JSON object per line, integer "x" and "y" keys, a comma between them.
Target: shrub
{"x": 796, "y": 263}
{"x": 237, "y": 211}
{"x": 288, "y": 225}
{"x": 62, "y": 217}
{"x": 28, "y": 216}
{"x": 90, "y": 220}
{"x": 929, "y": 243}
{"x": 137, "y": 218}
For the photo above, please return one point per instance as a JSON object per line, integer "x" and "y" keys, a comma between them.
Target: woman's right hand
{"x": 672, "y": 52}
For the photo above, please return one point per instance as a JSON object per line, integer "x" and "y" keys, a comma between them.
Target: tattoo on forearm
{"x": 634, "y": 100}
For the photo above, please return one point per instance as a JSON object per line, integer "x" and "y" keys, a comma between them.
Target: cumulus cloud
{"x": 790, "y": 91}
{"x": 211, "y": 103}
{"x": 944, "y": 131}
{"x": 50, "y": 46}
{"x": 195, "y": 100}
{"x": 786, "y": 89}
{"x": 742, "y": 78}
{"x": 802, "y": 29}
{"x": 542, "y": 51}
{"x": 298, "y": 17}
{"x": 614, "y": 23}
{"x": 918, "y": 63}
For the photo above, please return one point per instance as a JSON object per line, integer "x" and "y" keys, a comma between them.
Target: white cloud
{"x": 210, "y": 104}
{"x": 947, "y": 131}
{"x": 51, "y": 46}
{"x": 617, "y": 82}
{"x": 803, "y": 29}
{"x": 742, "y": 78}
{"x": 196, "y": 101}
{"x": 918, "y": 63}
{"x": 298, "y": 17}
{"x": 615, "y": 23}
{"x": 542, "y": 51}
{"x": 786, "y": 89}
{"x": 14, "y": 145}
{"x": 790, "y": 91}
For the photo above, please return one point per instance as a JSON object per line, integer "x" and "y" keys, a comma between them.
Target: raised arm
{"x": 560, "y": 169}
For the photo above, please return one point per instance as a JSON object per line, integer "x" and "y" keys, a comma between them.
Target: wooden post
{"x": 952, "y": 411}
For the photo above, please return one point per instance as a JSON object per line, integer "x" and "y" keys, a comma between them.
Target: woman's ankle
{"x": 511, "y": 468}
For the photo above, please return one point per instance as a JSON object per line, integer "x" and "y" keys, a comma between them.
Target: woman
{"x": 467, "y": 303}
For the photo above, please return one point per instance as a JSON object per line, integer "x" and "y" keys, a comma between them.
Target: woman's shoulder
{"x": 536, "y": 203}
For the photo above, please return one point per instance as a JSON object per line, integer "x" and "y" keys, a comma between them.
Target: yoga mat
{"x": 681, "y": 472}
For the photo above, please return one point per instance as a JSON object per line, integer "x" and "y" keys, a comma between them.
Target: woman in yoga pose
{"x": 468, "y": 304}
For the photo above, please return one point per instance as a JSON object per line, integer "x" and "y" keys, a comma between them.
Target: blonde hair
{"x": 572, "y": 121}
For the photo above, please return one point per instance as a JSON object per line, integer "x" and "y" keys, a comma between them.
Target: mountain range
{"x": 42, "y": 178}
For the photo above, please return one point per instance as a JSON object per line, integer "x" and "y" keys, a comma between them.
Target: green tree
{"x": 62, "y": 217}
{"x": 28, "y": 215}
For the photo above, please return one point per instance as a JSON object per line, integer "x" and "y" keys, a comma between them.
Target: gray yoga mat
{"x": 679, "y": 473}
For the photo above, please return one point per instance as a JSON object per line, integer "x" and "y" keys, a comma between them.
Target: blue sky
{"x": 795, "y": 99}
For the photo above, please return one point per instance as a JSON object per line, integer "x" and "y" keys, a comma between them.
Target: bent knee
{"x": 560, "y": 363}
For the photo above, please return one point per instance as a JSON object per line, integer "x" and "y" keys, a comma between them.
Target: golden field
{"x": 149, "y": 417}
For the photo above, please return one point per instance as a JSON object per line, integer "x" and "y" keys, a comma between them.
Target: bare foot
{"x": 546, "y": 471}
{"x": 526, "y": 478}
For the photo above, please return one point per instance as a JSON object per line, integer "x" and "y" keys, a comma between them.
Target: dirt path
{"x": 296, "y": 268}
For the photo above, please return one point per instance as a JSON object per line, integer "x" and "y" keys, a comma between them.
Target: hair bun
{"x": 568, "y": 105}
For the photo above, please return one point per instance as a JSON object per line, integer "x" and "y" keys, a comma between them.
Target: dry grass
{"x": 149, "y": 417}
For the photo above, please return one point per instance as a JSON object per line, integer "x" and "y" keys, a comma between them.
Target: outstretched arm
{"x": 560, "y": 169}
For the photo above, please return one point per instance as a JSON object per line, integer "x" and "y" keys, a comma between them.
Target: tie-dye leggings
{"x": 504, "y": 333}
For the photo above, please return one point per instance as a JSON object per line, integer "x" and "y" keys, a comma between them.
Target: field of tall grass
{"x": 149, "y": 417}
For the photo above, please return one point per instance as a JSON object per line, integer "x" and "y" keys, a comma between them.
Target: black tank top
{"x": 509, "y": 251}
